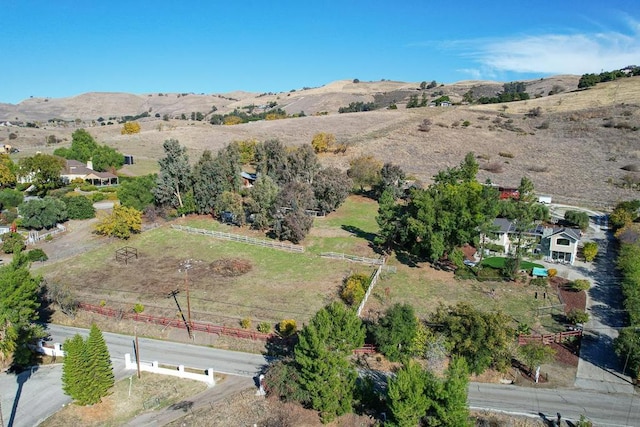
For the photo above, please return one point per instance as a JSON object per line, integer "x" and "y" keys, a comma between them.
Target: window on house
{"x": 563, "y": 242}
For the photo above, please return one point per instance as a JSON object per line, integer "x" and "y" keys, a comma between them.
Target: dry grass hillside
{"x": 582, "y": 147}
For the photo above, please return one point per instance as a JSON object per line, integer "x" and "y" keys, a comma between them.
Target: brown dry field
{"x": 566, "y": 151}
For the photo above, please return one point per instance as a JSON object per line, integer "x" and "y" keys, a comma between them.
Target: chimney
{"x": 89, "y": 164}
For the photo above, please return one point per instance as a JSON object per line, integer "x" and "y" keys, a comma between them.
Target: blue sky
{"x": 64, "y": 48}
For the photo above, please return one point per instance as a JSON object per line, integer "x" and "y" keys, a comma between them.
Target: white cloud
{"x": 556, "y": 53}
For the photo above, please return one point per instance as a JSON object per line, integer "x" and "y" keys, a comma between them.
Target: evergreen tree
{"x": 99, "y": 367}
{"x": 18, "y": 311}
{"x": 327, "y": 379}
{"x": 174, "y": 178}
{"x": 74, "y": 379}
{"x": 407, "y": 400}
{"x": 87, "y": 374}
{"x": 454, "y": 409}
{"x": 395, "y": 331}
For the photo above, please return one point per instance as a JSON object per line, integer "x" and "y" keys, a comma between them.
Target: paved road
{"x": 39, "y": 393}
{"x": 194, "y": 356}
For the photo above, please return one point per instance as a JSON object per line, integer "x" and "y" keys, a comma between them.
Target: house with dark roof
{"x": 74, "y": 169}
{"x": 556, "y": 244}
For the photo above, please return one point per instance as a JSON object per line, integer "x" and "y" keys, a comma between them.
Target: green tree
{"x": 74, "y": 367}
{"x": 263, "y": 196}
{"x": 106, "y": 158}
{"x": 624, "y": 213}
{"x": 389, "y": 220}
{"x": 213, "y": 176}
{"x": 19, "y": 305}
{"x": 448, "y": 406}
{"x": 87, "y": 373}
{"x": 576, "y": 316}
{"x": 10, "y": 198}
{"x": 396, "y": 330}
{"x": 8, "y": 171}
{"x": 99, "y": 368}
{"x": 43, "y": 213}
{"x": 303, "y": 165}
{"x": 136, "y": 192}
{"x": 590, "y": 250}
{"x": 364, "y": 171}
{"x": 578, "y": 218}
{"x": 392, "y": 178}
{"x": 121, "y": 223}
{"x": 627, "y": 347}
{"x": 271, "y": 160}
{"x": 231, "y": 203}
{"x": 43, "y": 171}
{"x": 12, "y": 241}
{"x": 79, "y": 207}
{"x": 406, "y": 396}
{"x": 326, "y": 376}
{"x": 535, "y": 353}
{"x": 482, "y": 338}
{"x": 174, "y": 177}
{"x": 331, "y": 187}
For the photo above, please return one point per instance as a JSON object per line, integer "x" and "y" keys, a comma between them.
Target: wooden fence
{"x": 195, "y": 326}
{"x": 241, "y": 239}
{"x": 176, "y": 323}
{"x": 548, "y": 338}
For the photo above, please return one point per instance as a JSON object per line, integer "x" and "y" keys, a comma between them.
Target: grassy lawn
{"x": 276, "y": 284}
{"x": 150, "y": 392}
{"x": 498, "y": 262}
{"x": 424, "y": 288}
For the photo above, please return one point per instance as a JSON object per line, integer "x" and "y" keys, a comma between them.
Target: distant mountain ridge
{"x": 328, "y": 98}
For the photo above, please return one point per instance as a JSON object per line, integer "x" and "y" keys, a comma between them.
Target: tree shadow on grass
{"x": 360, "y": 233}
{"x": 408, "y": 259}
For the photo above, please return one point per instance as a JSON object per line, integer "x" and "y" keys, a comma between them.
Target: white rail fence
{"x": 360, "y": 259}
{"x": 241, "y": 239}
{"x": 374, "y": 280}
{"x": 154, "y": 367}
{"x": 35, "y": 236}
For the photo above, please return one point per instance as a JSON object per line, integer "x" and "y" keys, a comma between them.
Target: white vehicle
{"x": 545, "y": 200}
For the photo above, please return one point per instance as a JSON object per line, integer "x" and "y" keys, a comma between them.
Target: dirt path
{"x": 78, "y": 238}
{"x": 230, "y": 386}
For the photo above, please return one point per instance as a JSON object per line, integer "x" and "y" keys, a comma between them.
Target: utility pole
{"x": 186, "y": 265}
{"x": 173, "y": 294}
{"x": 186, "y": 285}
{"x": 137, "y": 352}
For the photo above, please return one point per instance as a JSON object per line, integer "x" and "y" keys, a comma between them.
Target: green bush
{"x": 11, "y": 242}
{"x": 576, "y": 316}
{"x": 245, "y": 323}
{"x": 79, "y": 207}
{"x": 287, "y": 327}
{"x": 88, "y": 187}
{"x": 98, "y": 197}
{"x": 10, "y": 198}
{"x": 580, "y": 285}
{"x": 138, "y": 308}
{"x": 354, "y": 288}
{"x": 264, "y": 327}
{"x": 108, "y": 190}
{"x": 37, "y": 255}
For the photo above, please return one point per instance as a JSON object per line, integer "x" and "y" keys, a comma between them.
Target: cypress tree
{"x": 326, "y": 376}
{"x": 73, "y": 369}
{"x": 99, "y": 368}
{"x": 407, "y": 400}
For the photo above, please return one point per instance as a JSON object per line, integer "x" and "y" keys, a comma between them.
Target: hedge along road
{"x": 604, "y": 409}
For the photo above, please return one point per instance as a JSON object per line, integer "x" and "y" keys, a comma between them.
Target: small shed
{"x": 539, "y": 272}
